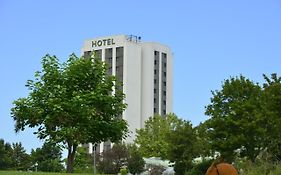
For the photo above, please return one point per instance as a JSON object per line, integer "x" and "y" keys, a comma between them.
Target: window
{"x": 155, "y": 91}
{"x": 164, "y": 102}
{"x": 155, "y": 81}
{"x": 155, "y": 62}
{"x": 164, "y": 83}
{"x": 165, "y": 64}
{"x": 109, "y": 70}
{"x": 164, "y": 112}
{"x": 98, "y": 54}
{"x": 87, "y": 54}
{"x": 154, "y": 100}
{"x": 164, "y": 92}
{"x": 155, "y": 71}
{"x": 165, "y": 74}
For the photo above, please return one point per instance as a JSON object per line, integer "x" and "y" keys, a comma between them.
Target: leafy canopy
{"x": 153, "y": 137}
{"x": 47, "y": 158}
{"x": 235, "y": 123}
{"x": 135, "y": 161}
{"x": 272, "y": 112}
{"x": 182, "y": 147}
{"x": 74, "y": 102}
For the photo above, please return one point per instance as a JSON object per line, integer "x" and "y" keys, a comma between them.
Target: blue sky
{"x": 211, "y": 41}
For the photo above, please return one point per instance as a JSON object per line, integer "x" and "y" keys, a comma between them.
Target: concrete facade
{"x": 146, "y": 71}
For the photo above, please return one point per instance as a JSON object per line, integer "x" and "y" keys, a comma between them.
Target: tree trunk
{"x": 70, "y": 157}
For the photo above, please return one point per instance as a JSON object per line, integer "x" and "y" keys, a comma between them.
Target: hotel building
{"x": 146, "y": 72}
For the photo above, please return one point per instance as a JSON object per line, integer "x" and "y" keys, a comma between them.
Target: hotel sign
{"x": 103, "y": 42}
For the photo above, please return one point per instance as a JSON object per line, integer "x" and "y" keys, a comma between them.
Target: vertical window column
{"x": 98, "y": 54}
{"x": 108, "y": 60}
{"x": 164, "y": 83}
{"x": 119, "y": 64}
{"x": 156, "y": 82}
{"x": 87, "y": 54}
{"x": 114, "y": 61}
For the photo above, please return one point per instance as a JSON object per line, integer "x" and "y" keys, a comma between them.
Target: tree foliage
{"x": 13, "y": 156}
{"x": 272, "y": 112}
{"x": 135, "y": 161}
{"x": 113, "y": 159}
{"x": 235, "y": 124}
{"x": 47, "y": 158}
{"x": 203, "y": 141}
{"x": 74, "y": 102}
{"x": 83, "y": 161}
{"x": 152, "y": 138}
{"x": 183, "y": 147}
{"x": 20, "y": 159}
{"x": 6, "y": 152}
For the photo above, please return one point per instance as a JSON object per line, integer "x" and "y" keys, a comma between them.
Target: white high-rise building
{"x": 146, "y": 71}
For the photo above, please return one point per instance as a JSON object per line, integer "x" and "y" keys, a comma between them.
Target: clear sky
{"x": 211, "y": 41}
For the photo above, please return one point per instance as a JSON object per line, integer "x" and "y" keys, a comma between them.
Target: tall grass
{"x": 36, "y": 173}
{"x": 30, "y": 173}
{"x": 277, "y": 171}
{"x": 260, "y": 168}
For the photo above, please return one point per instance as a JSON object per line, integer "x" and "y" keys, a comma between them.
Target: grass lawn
{"x": 34, "y": 173}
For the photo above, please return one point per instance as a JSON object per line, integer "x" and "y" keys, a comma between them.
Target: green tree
{"x": 5, "y": 155}
{"x": 272, "y": 112}
{"x": 83, "y": 161}
{"x": 48, "y": 158}
{"x": 135, "y": 161}
{"x": 203, "y": 141}
{"x": 235, "y": 123}
{"x": 113, "y": 159}
{"x": 72, "y": 103}
{"x": 152, "y": 138}
{"x": 20, "y": 159}
{"x": 183, "y": 147}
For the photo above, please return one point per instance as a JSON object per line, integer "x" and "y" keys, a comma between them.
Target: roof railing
{"x": 133, "y": 38}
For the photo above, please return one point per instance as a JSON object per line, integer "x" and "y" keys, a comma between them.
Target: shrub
{"x": 277, "y": 171}
{"x": 155, "y": 169}
{"x": 200, "y": 168}
{"x": 123, "y": 171}
{"x": 259, "y": 167}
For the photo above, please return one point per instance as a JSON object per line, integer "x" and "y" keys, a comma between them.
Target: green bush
{"x": 155, "y": 169}
{"x": 123, "y": 171}
{"x": 277, "y": 171}
{"x": 259, "y": 167}
{"x": 200, "y": 168}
